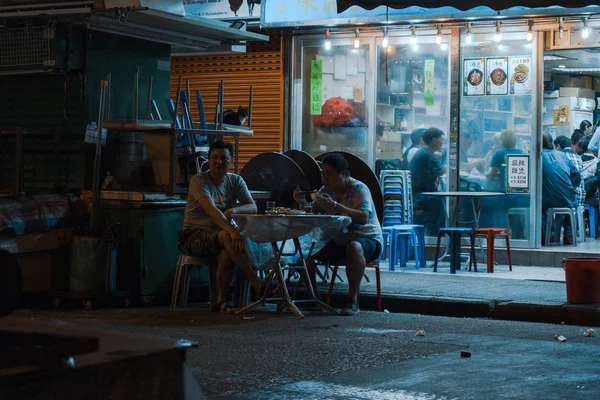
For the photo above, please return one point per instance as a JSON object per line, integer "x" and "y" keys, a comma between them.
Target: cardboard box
{"x": 579, "y": 82}
{"x": 577, "y": 92}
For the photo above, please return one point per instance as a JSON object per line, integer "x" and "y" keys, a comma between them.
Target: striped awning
{"x": 343, "y": 5}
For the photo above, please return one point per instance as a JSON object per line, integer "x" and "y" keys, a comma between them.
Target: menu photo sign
{"x": 520, "y": 78}
{"x": 473, "y": 76}
{"x": 496, "y": 75}
{"x": 517, "y": 173}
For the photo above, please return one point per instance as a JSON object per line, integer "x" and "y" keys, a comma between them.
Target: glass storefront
{"x": 497, "y": 128}
{"x": 373, "y": 102}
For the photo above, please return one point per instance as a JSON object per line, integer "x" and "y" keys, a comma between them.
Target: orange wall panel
{"x": 262, "y": 70}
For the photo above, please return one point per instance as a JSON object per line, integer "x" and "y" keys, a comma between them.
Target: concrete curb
{"x": 572, "y": 314}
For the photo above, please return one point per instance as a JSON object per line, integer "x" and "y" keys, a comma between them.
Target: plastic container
{"x": 583, "y": 280}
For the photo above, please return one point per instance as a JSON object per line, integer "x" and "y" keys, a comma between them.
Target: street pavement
{"x": 271, "y": 355}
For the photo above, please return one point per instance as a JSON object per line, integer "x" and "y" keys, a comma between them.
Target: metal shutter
{"x": 263, "y": 70}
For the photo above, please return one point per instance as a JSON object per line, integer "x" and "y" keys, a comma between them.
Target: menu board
{"x": 473, "y": 78}
{"x": 496, "y": 75}
{"x": 517, "y": 176}
{"x": 520, "y": 79}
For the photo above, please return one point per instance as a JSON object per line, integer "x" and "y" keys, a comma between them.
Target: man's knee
{"x": 224, "y": 238}
{"x": 354, "y": 250}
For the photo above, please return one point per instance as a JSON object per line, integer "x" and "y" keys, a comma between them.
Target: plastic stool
{"x": 490, "y": 234}
{"x": 388, "y": 242}
{"x": 550, "y": 214}
{"x": 593, "y": 218}
{"x": 522, "y": 212}
{"x": 405, "y": 236}
{"x": 581, "y": 223}
{"x": 182, "y": 278}
{"x": 455, "y": 234}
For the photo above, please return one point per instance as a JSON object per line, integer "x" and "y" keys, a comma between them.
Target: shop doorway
{"x": 570, "y": 116}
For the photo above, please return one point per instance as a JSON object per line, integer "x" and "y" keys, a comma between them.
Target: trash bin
{"x": 583, "y": 280}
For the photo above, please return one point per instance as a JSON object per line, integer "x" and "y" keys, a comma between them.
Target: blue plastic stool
{"x": 593, "y": 219}
{"x": 455, "y": 234}
{"x": 389, "y": 241}
{"x": 407, "y": 237}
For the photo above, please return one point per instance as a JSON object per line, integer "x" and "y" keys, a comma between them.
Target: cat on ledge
{"x": 238, "y": 117}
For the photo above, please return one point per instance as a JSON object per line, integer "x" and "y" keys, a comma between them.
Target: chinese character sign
{"x": 316, "y": 87}
{"x": 517, "y": 173}
{"x": 497, "y": 79}
{"x": 473, "y": 78}
{"x": 429, "y": 82}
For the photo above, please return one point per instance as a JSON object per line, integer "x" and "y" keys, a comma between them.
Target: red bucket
{"x": 583, "y": 280}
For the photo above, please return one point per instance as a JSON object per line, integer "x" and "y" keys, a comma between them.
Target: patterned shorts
{"x": 199, "y": 242}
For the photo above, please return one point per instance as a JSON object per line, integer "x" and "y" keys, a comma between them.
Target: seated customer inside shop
{"x": 426, "y": 168}
{"x": 493, "y": 209}
{"x": 213, "y": 197}
{"x": 362, "y": 241}
{"x": 560, "y": 179}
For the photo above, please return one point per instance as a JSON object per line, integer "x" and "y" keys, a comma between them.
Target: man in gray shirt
{"x": 213, "y": 197}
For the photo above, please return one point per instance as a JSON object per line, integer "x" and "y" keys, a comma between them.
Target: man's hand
{"x": 325, "y": 202}
{"x": 299, "y": 196}
{"x": 236, "y": 239}
{"x": 228, "y": 213}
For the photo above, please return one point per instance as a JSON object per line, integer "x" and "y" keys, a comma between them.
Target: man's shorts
{"x": 333, "y": 252}
{"x": 199, "y": 242}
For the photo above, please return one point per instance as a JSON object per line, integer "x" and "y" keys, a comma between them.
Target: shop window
{"x": 412, "y": 94}
{"x": 496, "y": 125}
{"x": 334, "y": 108}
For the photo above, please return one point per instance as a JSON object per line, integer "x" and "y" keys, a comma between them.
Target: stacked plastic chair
{"x": 398, "y": 231}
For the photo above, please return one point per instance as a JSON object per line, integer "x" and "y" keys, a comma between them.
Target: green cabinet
{"x": 147, "y": 246}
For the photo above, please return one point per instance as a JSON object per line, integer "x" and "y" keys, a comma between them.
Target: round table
{"x": 308, "y": 233}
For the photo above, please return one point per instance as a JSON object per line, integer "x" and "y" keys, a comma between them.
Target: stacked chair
{"x": 398, "y": 232}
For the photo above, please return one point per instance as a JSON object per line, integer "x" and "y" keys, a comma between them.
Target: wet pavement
{"x": 270, "y": 355}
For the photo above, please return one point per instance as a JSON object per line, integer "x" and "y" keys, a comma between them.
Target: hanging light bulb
{"x": 585, "y": 32}
{"x": 444, "y": 46}
{"x": 438, "y": 36}
{"x": 385, "y": 41}
{"x": 327, "y": 40}
{"x": 356, "y": 40}
{"x": 530, "y": 31}
{"x": 413, "y": 35}
{"x": 498, "y": 35}
{"x": 560, "y": 27}
{"x": 468, "y": 37}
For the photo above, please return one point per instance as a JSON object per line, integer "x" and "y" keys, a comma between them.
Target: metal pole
{"x": 149, "y": 103}
{"x": 177, "y": 101}
{"x": 94, "y": 228}
{"x": 250, "y": 108}
{"x": 136, "y": 78}
{"x": 108, "y": 95}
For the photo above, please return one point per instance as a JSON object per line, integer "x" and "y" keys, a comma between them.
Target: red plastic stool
{"x": 490, "y": 234}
